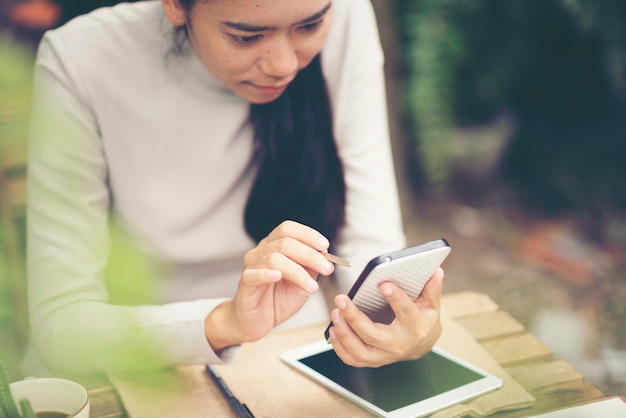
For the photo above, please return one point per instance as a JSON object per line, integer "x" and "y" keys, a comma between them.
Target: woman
{"x": 213, "y": 132}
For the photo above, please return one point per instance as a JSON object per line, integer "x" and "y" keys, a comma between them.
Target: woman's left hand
{"x": 360, "y": 342}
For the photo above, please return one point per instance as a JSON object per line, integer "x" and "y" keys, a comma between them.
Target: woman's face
{"x": 255, "y": 47}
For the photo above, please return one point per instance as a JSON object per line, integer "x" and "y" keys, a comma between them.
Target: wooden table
{"x": 553, "y": 382}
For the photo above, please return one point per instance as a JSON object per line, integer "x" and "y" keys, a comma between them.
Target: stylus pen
{"x": 240, "y": 409}
{"x": 337, "y": 260}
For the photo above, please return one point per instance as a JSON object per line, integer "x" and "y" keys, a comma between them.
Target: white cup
{"x": 52, "y": 395}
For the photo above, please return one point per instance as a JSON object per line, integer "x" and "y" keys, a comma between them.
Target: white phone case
{"x": 409, "y": 268}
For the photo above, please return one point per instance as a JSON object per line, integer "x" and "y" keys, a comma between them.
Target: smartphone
{"x": 409, "y": 268}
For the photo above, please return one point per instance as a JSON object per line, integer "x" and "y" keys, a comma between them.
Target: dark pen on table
{"x": 240, "y": 409}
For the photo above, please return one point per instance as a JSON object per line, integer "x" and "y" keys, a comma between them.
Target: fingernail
{"x": 313, "y": 286}
{"x": 331, "y": 331}
{"x": 327, "y": 268}
{"x": 322, "y": 243}
{"x": 336, "y": 317}
{"x": 386, "y": 290}
{"x": 341, "y": 303}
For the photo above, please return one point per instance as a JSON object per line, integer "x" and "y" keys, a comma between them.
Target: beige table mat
{"x": 272, "y": 389}
{"x": 512, "y": 395}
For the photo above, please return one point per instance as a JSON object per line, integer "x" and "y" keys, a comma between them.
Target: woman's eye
{"x": 309, "y": 27}
{"x": 246, "y": 40}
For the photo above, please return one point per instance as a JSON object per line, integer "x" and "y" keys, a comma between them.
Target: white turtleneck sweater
{"x": 125, "y": 129}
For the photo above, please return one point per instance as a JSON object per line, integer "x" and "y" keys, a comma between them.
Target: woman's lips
{"x": 269, "y": 90}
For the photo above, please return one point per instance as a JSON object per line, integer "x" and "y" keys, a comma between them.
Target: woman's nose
{"x": 280, "y": 60}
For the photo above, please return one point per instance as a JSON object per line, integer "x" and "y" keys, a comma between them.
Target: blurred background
{"x": 509, "y": 133}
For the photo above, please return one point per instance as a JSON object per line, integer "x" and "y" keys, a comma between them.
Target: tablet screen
{"x": 395, "y": 385}
{"x": 403, "y": 389}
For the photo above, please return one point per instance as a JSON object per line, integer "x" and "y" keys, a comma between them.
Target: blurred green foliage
{"x": 131, "y": 277}
{"x": 129, "y": 274}
{"x": 557, "y": 66}
{"x": 15, "y": 87}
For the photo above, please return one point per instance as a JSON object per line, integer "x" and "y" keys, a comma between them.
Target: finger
{"x": 348, "y": 346}
{"x": 302, "y": 233}
{"x": 253, "y": 278}
{"x": 302, "y": 254}
{"x": 292, "y": 272}
{"x": 405, "y": 309}
{"x": 355, "y": 329}
{"x": 430, "y": 298}
{"x": 341, "y": 351}
{"x": 354, "y": 352}
{"x": 298, "y": 242}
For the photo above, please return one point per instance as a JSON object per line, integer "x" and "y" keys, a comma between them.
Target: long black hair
{"x": 300, "y": 175}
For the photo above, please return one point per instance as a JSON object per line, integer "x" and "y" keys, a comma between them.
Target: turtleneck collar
{"x": 190, "y": 71}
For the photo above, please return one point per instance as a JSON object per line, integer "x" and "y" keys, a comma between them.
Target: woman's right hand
{"x": 278, "y": 277}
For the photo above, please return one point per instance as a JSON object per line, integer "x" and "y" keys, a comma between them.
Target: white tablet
{"x": 404, "y": 389}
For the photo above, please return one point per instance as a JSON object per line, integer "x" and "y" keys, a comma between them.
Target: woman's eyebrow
{"x": 317, "y": 15}
{"x": 246, "y": 27}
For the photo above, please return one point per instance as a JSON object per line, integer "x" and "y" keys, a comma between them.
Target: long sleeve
{"x": 74, "y": 326}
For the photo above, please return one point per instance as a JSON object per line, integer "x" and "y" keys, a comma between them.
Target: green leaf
{"x": 6, "y": 400}
{"x": 27, "y": 409}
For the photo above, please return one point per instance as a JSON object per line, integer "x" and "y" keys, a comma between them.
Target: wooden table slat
{"x": 467, "y": 303}
{"x": 517, "y": 349}
{"x": 545, "y": 374}
{"x": 486, "y": 326}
